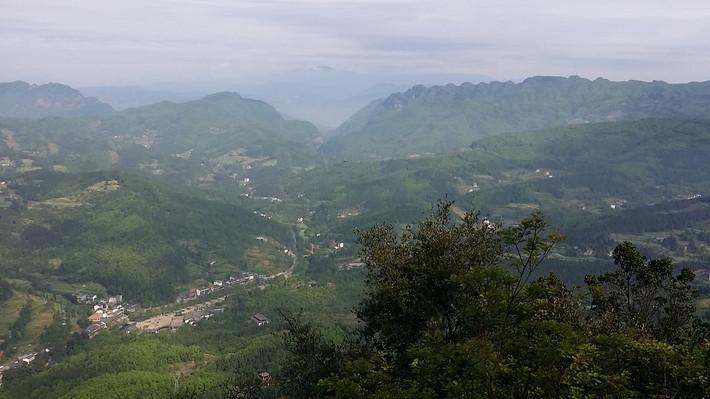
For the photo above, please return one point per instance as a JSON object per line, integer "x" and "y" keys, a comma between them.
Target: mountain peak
{"x": 24, "y": 100}
{"x": 223, "y": 95}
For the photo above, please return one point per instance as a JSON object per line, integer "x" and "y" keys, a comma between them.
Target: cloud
{"x": 136, "y": 41}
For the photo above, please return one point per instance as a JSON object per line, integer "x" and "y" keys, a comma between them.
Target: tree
{"x": 242, "y": 388}
{"x": 415, "y": 280}
{"x": 643, "y": 296}
{"x": 5, "y": 290}
{"x": 312, "y": 358}
{"x": 452, "y": 309}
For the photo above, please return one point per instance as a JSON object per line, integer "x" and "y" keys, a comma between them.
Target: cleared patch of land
{"x": 10, "y": 309}
{"x": 267, "y": 257}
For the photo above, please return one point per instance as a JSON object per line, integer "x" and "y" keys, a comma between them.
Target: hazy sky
{"x": 89, "y": 42}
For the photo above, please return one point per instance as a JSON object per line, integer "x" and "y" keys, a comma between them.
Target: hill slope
{"x": 23, "y": 100}
{"x": 222, "y": 138}
{"x": 447, "y": 118}
{"x": 130, "y": 234}
{"x": 573, "y": 173}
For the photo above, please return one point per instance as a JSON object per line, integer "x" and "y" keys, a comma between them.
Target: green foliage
{"x": 18, "y": 329}
{"x": 630, "y": 164}
{"x": 142, "y": 239}
{"x": 450, "y": 311}
{"x": 643, "y": 295}
{"x": 127, "y": 384}
{"x": 146, "y": 362}
{"x": 424, "y": 265}
{"x": 207, "y": 142}
{"x": 5, "y": 290}
{"x": 313, "y": 357}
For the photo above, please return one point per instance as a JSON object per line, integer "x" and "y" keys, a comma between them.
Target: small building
{"x": 28, "y": 358}
{"x": 86, "y": 298}
{"x": 96, "y": 316}
{"x": 260, "y": 319}
{"x": 92, "y": 330}
{"x": 265, "y": 378}
{"x": 193, "y": 317}
{"x": 176, "y": 322}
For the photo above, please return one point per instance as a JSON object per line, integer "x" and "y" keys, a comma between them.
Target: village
{"x": 195, "y": 304}
{"x": 112, "y": 312}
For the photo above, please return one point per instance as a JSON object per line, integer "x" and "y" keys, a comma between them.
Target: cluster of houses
{"x": 271, "y": 199}
{"x": 473, "y": 188}
{"x": 242, "y": 278}
{"x": 20, "y": 361}
{"x": 262, "y": 214}
{"x": 106, "y": 312}
{"x": 546, "y": 173}
{"x": 355, "y": 264}
{"x": 174, "y": 320}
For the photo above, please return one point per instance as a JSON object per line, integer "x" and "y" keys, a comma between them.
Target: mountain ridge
{"x": 20, "y": 99}
{"x": 447, "y": 118}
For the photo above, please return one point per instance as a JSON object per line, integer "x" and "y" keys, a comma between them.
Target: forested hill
{"x": 132, "y": 235}
{"x": 447, "y": 118}
{"x": 222, "y": 137}
{"x": 222, "y": 108}
{"x": 593, "y": 174}
{"x": 24, "y": 100}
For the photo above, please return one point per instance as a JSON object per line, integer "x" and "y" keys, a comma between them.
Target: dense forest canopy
{"x": 450, "y": 311}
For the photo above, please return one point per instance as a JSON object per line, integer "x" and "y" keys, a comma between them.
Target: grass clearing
{"x": 267, "y": 257}
{"x": 42, "y": 317}
{"x": 10, "y": 309}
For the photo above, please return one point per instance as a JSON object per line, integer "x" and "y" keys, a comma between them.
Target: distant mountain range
{"x": 123, "y": 97}
{"x": 322, "y": 95}
{"x": 222, "y": 137}
{"x": 123, "y": 198}
{"x": 448, "y": 118}
{"x": 24, "y": 100}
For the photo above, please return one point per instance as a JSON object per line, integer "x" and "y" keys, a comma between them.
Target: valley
{"x": 222, "y": 194}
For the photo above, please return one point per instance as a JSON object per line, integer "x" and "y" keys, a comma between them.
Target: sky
{"x": 128, "y": 42}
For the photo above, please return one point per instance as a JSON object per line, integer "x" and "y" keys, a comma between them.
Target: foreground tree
{"x": 643, "y": 296}
{"x": 452, "y": 309}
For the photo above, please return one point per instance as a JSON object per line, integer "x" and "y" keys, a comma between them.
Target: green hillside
{"x": 221, "y": 139}
{"x": 131, "y": 235}
{"x": 447, "y": 118}
{"x": 581, "y": 172}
